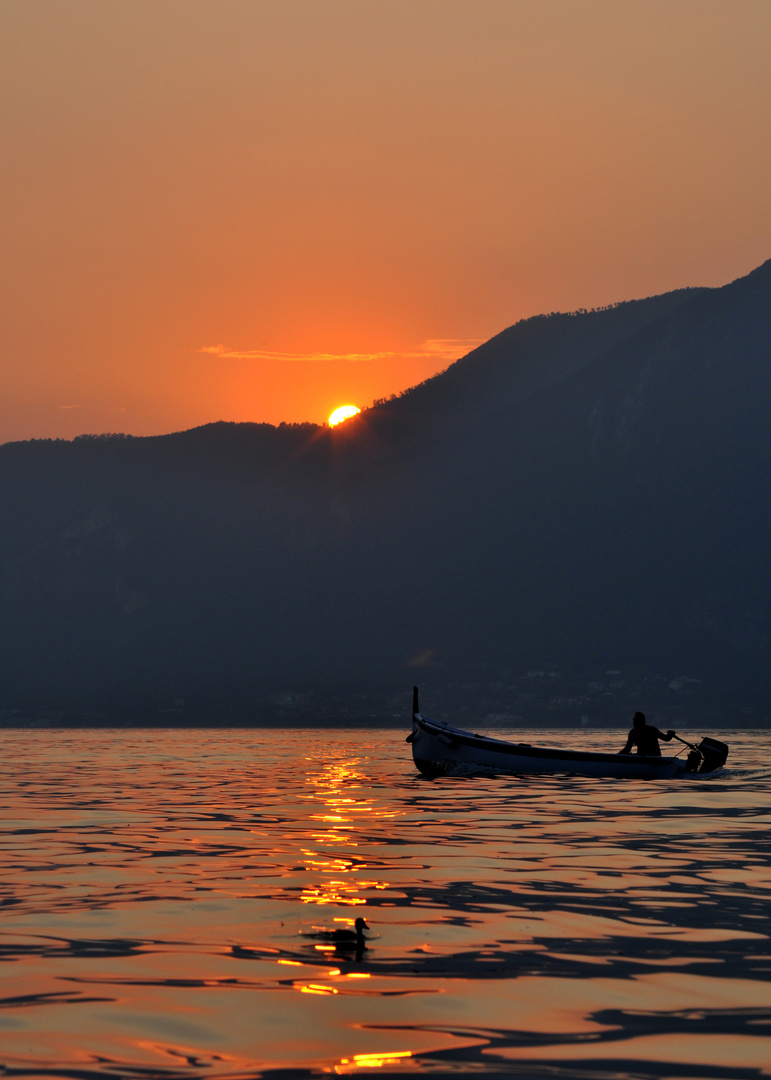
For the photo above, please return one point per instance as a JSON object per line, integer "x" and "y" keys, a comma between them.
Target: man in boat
{"x": 645, "y": 737}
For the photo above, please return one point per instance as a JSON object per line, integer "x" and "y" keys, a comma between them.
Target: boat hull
{"x": 440, "y": 750}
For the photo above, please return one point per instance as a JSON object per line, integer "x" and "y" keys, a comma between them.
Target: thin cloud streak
{"x": 433, "y": 349}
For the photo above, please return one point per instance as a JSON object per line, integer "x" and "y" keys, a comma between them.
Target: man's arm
{"x": 667, "y": 737}
{"x": 629, "y": 743}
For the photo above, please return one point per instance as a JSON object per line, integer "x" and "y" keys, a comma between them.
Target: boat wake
{"x": 738, "y": 774}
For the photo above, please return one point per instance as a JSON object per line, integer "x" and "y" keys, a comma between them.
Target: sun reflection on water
{"x": 334, "y": 787}
{"x": 371, "y": 1061}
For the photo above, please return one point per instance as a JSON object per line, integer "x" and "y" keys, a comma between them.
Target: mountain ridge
{"x": 588, "y": 490}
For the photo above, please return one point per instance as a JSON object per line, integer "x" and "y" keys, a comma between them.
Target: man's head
{"x": 638, "y": 720}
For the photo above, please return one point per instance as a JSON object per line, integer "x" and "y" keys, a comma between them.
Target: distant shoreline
{"x": 343, "y": 724}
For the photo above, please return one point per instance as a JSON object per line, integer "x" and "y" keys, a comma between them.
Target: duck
{"x": 346, "y": 937}
{"x": 356, "y": 935}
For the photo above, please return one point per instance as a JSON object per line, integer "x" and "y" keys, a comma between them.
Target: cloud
{"x": 433, "y": 349}
{"x": 445, "y": 348}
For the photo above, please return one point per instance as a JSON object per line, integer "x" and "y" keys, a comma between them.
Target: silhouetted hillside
{"x": 583, "y": 494}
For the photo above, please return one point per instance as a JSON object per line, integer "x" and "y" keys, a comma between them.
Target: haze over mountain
{"x": 585, "y": 492}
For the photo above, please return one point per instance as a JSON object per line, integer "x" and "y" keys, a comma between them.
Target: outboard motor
{"x": 713, "y": 754}
{"x": 694, "y": 761}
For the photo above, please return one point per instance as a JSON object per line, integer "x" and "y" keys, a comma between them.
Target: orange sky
{"x": 205, "y": 202}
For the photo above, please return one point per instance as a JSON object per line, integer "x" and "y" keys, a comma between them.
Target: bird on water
{"x": 356, "y": 935}
{"x": 345, "y": 937}
{"x": 346, "y": 943}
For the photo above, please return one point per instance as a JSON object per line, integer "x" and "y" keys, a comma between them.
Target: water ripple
{"x": 167, "y": 901}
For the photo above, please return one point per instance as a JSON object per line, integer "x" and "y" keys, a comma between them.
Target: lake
{"x": 169, "y": 898}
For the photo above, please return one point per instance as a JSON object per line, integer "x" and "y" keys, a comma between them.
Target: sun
{"x": 345, "y": 412}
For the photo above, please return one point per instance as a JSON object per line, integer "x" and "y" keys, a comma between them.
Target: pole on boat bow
{"x": 415, "y": 712}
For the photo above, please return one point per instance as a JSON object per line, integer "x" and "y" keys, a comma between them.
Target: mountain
{"x": 585, "y": 494}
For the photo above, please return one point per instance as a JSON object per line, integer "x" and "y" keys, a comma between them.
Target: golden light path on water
{"x": 181, "y": 904}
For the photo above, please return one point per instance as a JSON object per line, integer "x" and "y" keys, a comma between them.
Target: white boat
{"x": 438, "y": 749}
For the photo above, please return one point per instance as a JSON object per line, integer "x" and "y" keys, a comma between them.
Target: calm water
{"x": 163, "y": 893}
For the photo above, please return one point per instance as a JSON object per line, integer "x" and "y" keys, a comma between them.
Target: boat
{"x": 441, "y": 750}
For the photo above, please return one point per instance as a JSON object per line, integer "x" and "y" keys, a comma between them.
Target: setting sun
{"x": 345, "y": 412}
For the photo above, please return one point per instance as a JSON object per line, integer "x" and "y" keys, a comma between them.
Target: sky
{"x": 263, "y": 209}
